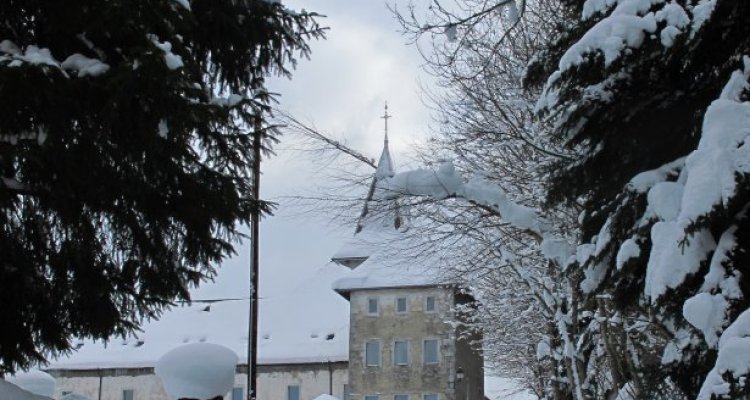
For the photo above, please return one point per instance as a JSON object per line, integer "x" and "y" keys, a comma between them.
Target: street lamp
{"x": 459, "y": 374}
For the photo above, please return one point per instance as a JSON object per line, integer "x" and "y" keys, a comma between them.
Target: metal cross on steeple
{"x": 385, "y": 117}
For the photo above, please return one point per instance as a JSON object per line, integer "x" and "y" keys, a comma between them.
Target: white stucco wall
{"x": 313, "y": 380}
{"x": 145, "y": 387}
{"x": 273, "y": 385}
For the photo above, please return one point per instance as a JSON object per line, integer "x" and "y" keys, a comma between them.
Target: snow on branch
{"x": 446, "y": 182}
{"x": 12, "y": 56}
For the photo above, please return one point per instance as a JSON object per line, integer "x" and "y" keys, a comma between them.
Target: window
{"x": 401, "y": 305}
{"x": 401, "y": 397}
{"x": 372, "y": 397}
{"x": 292, "y": 392}
{"x": 372, "y": 306}
{"x": 237, "y": 393}
{"x": 401, "y": 352}
{"x": 429, "y": 304}
{"x": 430, "y": 351}
{"x": 66, "y": 392}
{"x": 347, "y": 392}
{"x": 430, "y": 396}
{"x": 127, "y": 394}
{"x": 372, "y": 354}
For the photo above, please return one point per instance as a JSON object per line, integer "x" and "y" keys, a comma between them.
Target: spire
{"x": 384, "y": 170}
{"x": 385, "y": 118}
{"x": 385, "y": 164}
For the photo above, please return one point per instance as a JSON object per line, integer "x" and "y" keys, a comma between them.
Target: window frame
{"x": 379, "y": 353}
{"x": 408, "y": 352}
{"x": 289, "y": 391}
{"x": 437, "y": 350}
{"x": 406, "y": 305}
{"x": 241, "y": 390}
{"x": 377, "y": 306}
{"x": 434, "y": 304}
{"x": 130, "y": 391}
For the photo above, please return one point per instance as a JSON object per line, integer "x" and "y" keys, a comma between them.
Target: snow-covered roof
{"x": 34, "y": 381}
{"x": 393, "y": 264}
{"x": 11, "y": 391}
{"x": 382, "y": 245}
{"x": 294, "y": 327}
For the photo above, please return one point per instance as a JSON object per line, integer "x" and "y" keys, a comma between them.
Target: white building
{"x": 302, "y": 347}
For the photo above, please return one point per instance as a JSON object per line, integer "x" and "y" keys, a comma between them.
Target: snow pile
{"x": 229, "y": 101}
{"x": 709, "y": 182}
{"x": 627, "y": 26}
{"x": 199, "y": 371}
{"x": 706, "y": 312}
{"x": 326, "y": 396}
{"x": 675, "y": 254}
{"x": 84, "y": 66}
{"x": 706, "y": 183}
{"x": 628, "y": 250}
{"x": 32, "y": 55}
{"x": 172, "y": 60}
{"x": 75, "y": 396}
{"x": 79, "y": 64}
{"x": 723, "y": 151}
{"x": 499, "y": 388}
{"x": 35, "y": 381}
{"x": 184, "y": 3}
{"x": 734, "y": 358}
{"x": 9, "y": 391}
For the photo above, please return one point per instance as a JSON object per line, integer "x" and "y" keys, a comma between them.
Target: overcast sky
{"x": 363, "y": 62}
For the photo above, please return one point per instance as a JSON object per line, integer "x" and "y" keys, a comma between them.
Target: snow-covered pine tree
{"x": 654, "y": 96}
{"x": 126, "y": 132}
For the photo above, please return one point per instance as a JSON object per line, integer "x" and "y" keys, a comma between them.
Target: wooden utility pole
{"x": 252, "y": 348}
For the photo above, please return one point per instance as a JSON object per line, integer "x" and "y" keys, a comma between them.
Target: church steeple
{"x": 385, "y": 164}
{"x": 378, "y": 214}
{"x": 384, "y": 170}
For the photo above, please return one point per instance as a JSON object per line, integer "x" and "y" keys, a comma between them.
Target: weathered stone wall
{"x": 415, "y": 379}
{"x": 273, "y": 380}
{"x": 469, "y": 358}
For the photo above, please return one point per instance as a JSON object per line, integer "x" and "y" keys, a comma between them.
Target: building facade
{"x": 402, "y": 347}
{"x": 275, "y": 382}
{"x": 404, "y": 343}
